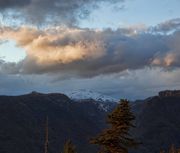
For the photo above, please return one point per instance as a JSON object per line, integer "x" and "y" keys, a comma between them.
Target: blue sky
{"x": 10, "y": 52}
{"x": 133, "y": 12}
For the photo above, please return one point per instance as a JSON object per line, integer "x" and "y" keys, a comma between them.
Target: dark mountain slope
{"x": 158, "y": 122}
{"x": 22, "y": 120}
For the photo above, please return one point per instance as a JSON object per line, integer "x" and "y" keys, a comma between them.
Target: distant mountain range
{"x": 22, "y": 121}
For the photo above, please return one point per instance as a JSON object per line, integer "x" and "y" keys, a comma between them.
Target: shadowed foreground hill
{"x": 22, "y": 121}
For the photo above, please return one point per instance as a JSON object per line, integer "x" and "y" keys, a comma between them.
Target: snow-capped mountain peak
{"x": 88, "y": 94}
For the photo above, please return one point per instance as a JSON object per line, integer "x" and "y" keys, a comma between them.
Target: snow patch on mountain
{"x": 88, "y": 94}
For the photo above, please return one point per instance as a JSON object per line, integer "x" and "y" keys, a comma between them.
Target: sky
{"x": 121, "y": 48}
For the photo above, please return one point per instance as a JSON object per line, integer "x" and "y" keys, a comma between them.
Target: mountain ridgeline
{"x": 23, "y": 118}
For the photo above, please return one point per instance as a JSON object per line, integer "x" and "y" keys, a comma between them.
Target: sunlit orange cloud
{"x": 167, "y": 60}
{"x": 54, "y": 45}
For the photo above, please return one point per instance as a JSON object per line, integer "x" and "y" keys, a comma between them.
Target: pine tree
{"x": 69, "y": 147}
{"x": 117, "y": 138}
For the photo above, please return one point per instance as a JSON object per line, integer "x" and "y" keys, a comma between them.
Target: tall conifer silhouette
{"x": 117, "y": 138}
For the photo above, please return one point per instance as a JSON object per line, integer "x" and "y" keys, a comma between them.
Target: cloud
{"x": 54, "y": 47}
{"x": 171, "y": 58}
{"x": 76, "y": 52}
{"x": 167, "y": 26}
{"x": 4, "y": 4}
{"x": 49, "y": 11}
{"x": 136, "y": 84}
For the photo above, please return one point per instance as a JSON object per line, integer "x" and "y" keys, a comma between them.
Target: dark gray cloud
{"x": 8, "y": 4}
{"x": 49, "y": 11}
{"x": 167, "y": 26}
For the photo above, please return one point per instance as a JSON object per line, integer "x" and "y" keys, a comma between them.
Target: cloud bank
{"x": 137, "y": 84}
{"x": 88, "y": 53}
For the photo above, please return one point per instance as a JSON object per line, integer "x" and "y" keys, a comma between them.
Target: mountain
{"x": 84, "y": 94}
{"x": 22, "y": 122}
{"x": 158, "y": 121}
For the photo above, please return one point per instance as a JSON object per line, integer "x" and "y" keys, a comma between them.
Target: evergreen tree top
{"x": 117, "y": 138}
